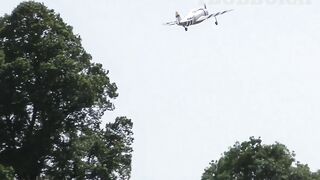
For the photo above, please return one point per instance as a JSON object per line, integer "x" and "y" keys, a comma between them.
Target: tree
{"x": 252, "y": 160}
{"x": 6, "y": 173}
{"x": 52, "y": 98}
{"x": 105, "y": 154}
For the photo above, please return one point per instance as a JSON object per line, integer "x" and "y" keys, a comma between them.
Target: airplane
{"x": 195, "y": 17}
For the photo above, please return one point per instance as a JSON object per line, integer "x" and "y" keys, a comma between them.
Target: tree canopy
{"x": 6, "y": 172}
{"x": 52, "y": 98}
{"x": 253, "y": 160}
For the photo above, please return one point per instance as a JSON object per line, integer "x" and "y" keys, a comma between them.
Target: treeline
{"x": 52, "y": 98}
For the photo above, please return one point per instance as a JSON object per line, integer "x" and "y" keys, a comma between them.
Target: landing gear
{"x": 216, "y": 21}
{"x": 185, "y": 28}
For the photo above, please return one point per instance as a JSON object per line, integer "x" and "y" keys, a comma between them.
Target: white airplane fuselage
{"x": 194, "y": 17}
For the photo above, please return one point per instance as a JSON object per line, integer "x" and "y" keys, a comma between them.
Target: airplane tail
{"x": 178, "y": 17}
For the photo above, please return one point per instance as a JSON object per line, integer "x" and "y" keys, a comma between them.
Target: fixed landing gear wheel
{"x": 216, "y": 22}
{"x": 186, "y": 29}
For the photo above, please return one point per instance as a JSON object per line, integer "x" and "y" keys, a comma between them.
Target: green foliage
{"x": 1, "y": 57}
{"x": 52, "y": 98}
{"x": 6, "y": 173}
{"x": 302, "y": 172}
{"x": 252, "y": 160}
{"x": 93, "y": 155}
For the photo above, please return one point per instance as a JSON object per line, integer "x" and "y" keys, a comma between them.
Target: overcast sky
{"x": 192, "y": 94}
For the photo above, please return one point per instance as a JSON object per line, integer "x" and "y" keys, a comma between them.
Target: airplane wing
{"x": 219, "y": 13}
{"x": 170, "y": 23}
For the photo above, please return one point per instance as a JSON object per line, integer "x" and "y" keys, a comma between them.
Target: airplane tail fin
{"x": 178, "y": 17}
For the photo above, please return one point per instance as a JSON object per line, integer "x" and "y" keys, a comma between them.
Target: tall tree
{"x": 252, "y": 160}
{"x": 52, "y": 98}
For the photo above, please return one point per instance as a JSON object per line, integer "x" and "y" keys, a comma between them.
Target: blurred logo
{"x": 256, "y": 2}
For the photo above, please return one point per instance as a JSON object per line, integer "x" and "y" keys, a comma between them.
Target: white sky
{"x": 192, "y": 94}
